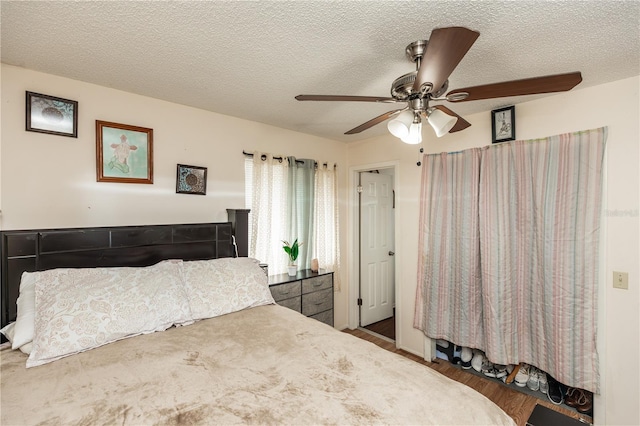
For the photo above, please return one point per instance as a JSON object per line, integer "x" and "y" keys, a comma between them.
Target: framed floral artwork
{"x": 124, "y": 153}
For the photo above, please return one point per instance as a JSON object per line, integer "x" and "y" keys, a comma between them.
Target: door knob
{"x": 391, "y": 253}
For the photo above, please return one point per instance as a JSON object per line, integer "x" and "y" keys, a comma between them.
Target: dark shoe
{"x": 445, "y": 350}
{"x": 571, "y": 397}
{"x": 555, "y": 393}
{"x": 584, "y": 402}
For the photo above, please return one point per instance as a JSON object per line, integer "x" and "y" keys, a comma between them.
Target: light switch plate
{"x": 621, "y": 280}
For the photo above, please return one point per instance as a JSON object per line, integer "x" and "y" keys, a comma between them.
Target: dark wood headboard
{"x": 42, "y": 249}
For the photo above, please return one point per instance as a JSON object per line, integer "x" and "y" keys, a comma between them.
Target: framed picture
{"x": 191, "y": 180}
{"x": 503, "y": 124}
{"x": 124, "y": 153}
{"x": 48, "y": 114}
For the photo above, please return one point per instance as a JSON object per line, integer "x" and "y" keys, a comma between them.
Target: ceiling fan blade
{"x": 374, "y": 121}
{"x": 343, "y": 98}
{"x": 461, "y": 124}
{"x": 527, "y": 86}
{"x": 446, "y": 48}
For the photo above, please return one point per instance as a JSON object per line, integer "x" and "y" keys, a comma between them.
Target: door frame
{"x": 354, "y": 247}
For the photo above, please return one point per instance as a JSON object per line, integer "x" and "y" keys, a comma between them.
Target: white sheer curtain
{"x": 326, "y": 246}
{"x": 268, "y": 217}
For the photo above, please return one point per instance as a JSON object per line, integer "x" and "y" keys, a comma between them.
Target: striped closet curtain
{"x": 528, "y": 291}
{"x": 449, "y": 291}
{"x": 540, "y": 204}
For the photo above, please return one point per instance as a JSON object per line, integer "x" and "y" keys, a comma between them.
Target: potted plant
{"x": 292, "y": 251}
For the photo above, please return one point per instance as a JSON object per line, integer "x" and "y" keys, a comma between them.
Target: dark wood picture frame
{"x": 124, "y": 153}
{"x": 51, "y": 115}
{"x": 191, "y": 180}
{"x": 503, "y": 124}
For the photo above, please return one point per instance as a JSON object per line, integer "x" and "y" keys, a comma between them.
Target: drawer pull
{"x": 317, "y": 283}
{"x": 318, "y": 303}
{"x": 285, "y": 292}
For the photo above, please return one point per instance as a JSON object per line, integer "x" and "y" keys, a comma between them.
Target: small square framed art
{"x": 48, "y": 114}
{"x": 191, "y": 180}
{"x": 503, "y": 124}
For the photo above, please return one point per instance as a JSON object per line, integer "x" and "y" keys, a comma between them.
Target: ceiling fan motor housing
{"x": 402, "y": 87}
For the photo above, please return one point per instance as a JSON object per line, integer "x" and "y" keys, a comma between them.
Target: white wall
{"x": 615, "y": 105}
{"x": 50, "y": 181}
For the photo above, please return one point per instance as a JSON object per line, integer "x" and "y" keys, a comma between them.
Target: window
{"x": 291, "y": 199}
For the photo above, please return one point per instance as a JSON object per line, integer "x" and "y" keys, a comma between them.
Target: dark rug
{"x": 543, "y": 416}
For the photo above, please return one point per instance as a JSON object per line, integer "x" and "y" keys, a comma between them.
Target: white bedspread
{"x": 266, "y": 365}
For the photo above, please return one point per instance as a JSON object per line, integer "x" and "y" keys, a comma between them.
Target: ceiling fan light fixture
{"x": 415, "y": 134}
{"x": 440, "y": 121}
{"x": 400, "y": 126}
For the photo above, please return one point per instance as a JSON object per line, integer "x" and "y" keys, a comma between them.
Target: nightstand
{"x": 310, "y": 293}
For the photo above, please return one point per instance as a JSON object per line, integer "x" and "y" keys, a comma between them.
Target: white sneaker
{"x": 523, "y": 375}
{"x": 534, "y": 379}
{"x": 544, "y": 384}
{"x": 476, "y": 361}
{"x": 466, "y": 355}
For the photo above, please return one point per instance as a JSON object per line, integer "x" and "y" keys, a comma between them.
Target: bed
{"x": 247, "y": 361}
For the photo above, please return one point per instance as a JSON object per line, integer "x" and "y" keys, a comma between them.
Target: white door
{"x": 376, "y": 248}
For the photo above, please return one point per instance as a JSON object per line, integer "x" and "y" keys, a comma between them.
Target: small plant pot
{"x": 293, "y": 270}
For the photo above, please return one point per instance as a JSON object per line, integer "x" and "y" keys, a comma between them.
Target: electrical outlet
{"x": 621, "y": 280}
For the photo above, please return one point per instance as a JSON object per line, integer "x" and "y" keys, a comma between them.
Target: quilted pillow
{"x": 221, "y": 286}
{"x": 81, "y": 309}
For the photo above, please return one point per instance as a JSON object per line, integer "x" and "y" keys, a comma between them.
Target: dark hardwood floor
{"x": 516, "y": 404}
{"x": 386, "y": 327}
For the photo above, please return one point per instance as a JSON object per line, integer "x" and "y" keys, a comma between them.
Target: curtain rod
{"x": 264, "y": 157}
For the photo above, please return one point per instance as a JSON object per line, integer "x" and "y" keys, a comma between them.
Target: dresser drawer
{"x": 317, "y": 283}
{"x": 318, "y": 301}
{"x": 325, "y": 317}
{"x": 293, "y": 303}
{"x": 285, "y": 291}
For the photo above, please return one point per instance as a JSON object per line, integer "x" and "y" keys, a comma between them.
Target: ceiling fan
{"x": 435, "y": 60}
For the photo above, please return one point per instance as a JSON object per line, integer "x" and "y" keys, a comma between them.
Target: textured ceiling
{"x": 249, "y": 59}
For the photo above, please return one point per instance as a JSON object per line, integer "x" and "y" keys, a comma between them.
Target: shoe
{"x": 554, "y": 393}
{"x": 444, "y": 350}
{"x": 534, "y": 379}
{"x": 585, "y": 402}
{"x": 544, "y": 385}
{"x": 488, "y": 369}
{"x": 466, "y": 355}
{"x": 501, "y": 371}
{"x": 476, "y": 361}
{"x": 571, "y": 397}
{"x": 512, "y": 375}
{"x": 522, "y": 376}
{"x": 456, "y": 355}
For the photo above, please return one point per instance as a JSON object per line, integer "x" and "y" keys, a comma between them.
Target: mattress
{"x": 264, "y": 365}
